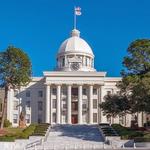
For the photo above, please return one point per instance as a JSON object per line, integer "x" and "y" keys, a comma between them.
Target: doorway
{"x": 74, "y": 119}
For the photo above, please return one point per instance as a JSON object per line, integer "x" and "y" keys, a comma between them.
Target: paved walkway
{"x": 74, "y": 137}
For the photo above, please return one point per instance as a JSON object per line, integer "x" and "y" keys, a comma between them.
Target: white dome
{"x": 75, "y": 44}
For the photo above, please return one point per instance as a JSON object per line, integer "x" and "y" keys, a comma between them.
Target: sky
{"x": 40, "y": 26}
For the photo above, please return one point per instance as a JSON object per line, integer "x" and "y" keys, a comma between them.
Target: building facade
{"x": 69, "y": 95}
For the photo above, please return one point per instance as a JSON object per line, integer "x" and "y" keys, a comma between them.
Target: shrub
{"x": 7, "y": 138}
{"x": 127, "y": 133}
{"x": 140, "y": 139}
{"x": 7, "y": 123}
{"x": 26, "y": 132}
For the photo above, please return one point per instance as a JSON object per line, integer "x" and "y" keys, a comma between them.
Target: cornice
{"x": 73, "y": 74}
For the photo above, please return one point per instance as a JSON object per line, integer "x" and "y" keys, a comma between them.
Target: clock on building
{"x": 75, "y": 66}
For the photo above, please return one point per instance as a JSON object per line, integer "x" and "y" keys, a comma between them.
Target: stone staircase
{"x": 71, "y": 137}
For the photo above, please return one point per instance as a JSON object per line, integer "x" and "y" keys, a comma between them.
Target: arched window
{"x": 63, "y": 62}
{"x": 86, "y": 61}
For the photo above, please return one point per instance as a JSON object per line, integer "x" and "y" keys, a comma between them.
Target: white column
{"x": 80, "y": 104}
{"x": 47, "y": 111}
{"x": 91, "y": 104}
{"x": 69, "y": 104}
{"x": 99, "y": 102}
{"x": 58, "y": 104}
{"x": 10, "y": 105}
{"x": 83, "y": 60}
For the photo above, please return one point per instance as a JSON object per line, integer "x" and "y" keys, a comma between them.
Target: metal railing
{"x": 38, "y": 142}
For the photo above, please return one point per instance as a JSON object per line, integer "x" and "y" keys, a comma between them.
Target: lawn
{"x": 13, "y": 130}
{"x": 10, "y": 134}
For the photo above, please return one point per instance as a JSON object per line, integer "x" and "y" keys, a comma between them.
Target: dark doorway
{"x": 74, "y": 119}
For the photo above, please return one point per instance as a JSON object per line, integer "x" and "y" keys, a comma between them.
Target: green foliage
{"x": 115, "y": 105}
{"x": 33, "y": 129}
{"x": 136, "y": 78}
{"x": 19, "y": 135}
{"x": 7, "y": 123}
{"x": 26, "y": 132}
{"x": 127, "y": 133}
{"x": 138, "y": 59}
{"x": 15, "y": 71}
{"x": 141, "y": 139}
{"x": 41, "y": 129}
{"x": 15, "y": 67}
{"x": 7, "y": 139}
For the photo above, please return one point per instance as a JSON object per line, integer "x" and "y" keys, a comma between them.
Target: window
{"x": 27, "y": 93}
{"x": 39, "y": 118}
{"x": 54, "y": 103}
{"x": 94, "y": 117}
{"x": 95, "y": 103}
{"x": 15, "y": 118}
{"x": 63, "y": 62}
{"x": 64, "y": 106}
{"x": 84, "y": 91}
{"x": 64, "y": 91}
{"x": 84, "y": 103}
{"x": 86, "y": 61}
{"x": 54, "y": 117}
{"x": 54, "y": 91}
{"x": 40, "y": 93}
{"x": 121, "y": 119}
{"x": 40, "y": 105}
{"x": 108, "y": 92}
{"x": 16, "y": 105}
{"x": 28, "y": 104}
{"x": 84, "y": 106}
{"x": 108, "y": 119}
{"x": 94, "y": 91}
{"x": 27, "y": 118}
{"x": 74, "y": 91}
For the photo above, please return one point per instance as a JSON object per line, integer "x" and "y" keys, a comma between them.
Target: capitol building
{"x": 70, "y": 94}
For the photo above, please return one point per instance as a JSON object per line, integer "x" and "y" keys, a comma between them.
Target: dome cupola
{"x": 75, "y": 54}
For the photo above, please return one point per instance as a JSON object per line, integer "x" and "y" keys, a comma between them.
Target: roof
{"x": 75, "y": 44}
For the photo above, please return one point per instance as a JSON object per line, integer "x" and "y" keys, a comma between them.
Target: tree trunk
{"x": 125, "y": 119}
{"x": 4, "y": 107}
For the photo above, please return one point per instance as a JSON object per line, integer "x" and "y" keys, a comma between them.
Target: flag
{"x": 78, "y": 11}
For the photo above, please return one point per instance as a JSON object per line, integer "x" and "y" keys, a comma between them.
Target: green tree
{"x": 15, "y": 71}
{"x": 135, "y": 85}
{"x": 136, "y": 77}
{"x": 115, "y": 105}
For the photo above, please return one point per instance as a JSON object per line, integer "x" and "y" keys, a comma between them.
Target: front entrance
{"x": 74, "y": 119}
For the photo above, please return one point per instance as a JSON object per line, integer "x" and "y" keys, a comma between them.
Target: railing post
{"x": 103, "y": 145}
{"x": 123, "y": 146}
{"x": 134, "y": 146}
{"x": 35, "y": 147}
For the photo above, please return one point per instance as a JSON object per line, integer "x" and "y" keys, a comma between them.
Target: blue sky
{"x": 40, "y": 26}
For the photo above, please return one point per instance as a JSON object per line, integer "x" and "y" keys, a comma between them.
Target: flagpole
{"x": 75, "y": 19}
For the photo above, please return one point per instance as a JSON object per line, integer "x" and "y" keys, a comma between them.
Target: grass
{"x": 10, "y": 134}
{"x": 13, "y": 130}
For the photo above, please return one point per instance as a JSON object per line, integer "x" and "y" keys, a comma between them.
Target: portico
{"x": 70, "y": 101}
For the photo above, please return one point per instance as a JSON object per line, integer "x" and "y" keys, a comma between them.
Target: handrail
{"x": 38, "y": 142}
